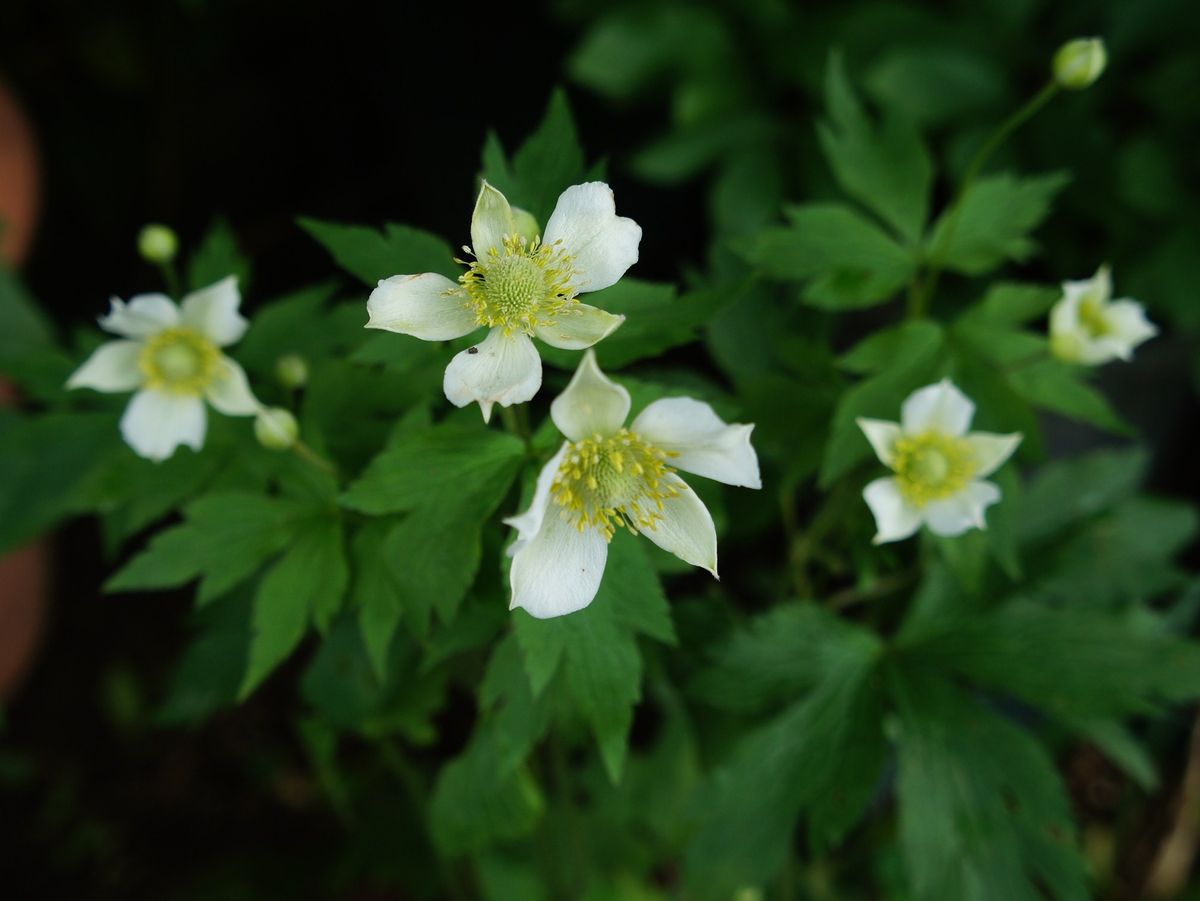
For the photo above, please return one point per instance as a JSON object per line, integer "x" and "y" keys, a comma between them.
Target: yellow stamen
{"x": 521, "y": 286}
{"x": 180, "y": 360}
{"x": 932, "y": 465}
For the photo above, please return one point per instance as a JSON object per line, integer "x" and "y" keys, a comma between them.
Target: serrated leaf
{"x": 224, "y": 539}
{"x": 218, "y": 256}
{"x": 846, "y": 261}
{"x": 550, "y": 160}
{"x": 596, "y": 648}
{"x": 881, "y": 349}
{"x": 993, "y": 222}
{"x": 1062, "y": 388}
{"x": 305, "y": 586}
{"x": 371, "y": 255}
{"x": 206, "y": 676}
{"x": 1012, "y": 304}
{"x": 375, "y": 594}
{"x": 442, "y": 462}
{"x": 1065, "y": 491}
{"x": 886, "y": 169}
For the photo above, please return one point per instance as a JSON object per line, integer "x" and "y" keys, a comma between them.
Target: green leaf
{"x": 306, "y": 585}
{"x": 371, "y": 255}
{"x": 597, "y": 648}
{"x": 439, "y": 463}
{"x": 992, "y": 222}
{"x": 224, "y": 539}
{"x": 206, "y": 677}
{"x": 879, "y": 350}
{"x": 218, "y": 256}
{"x": 886, "y": 169}
{"x": 375, "y": 594}
{"x": 1012, "y": 304}
{"x": 879, "y": 397}
{"x": 983, "y": 813}
{"x": 1069, "y": 490}
{"x": 847, "y": 261}
{"x": 50, "y": 469}
{"x": 477, "y": 800}
{"x": 823, "y": 754}
{"x": 656, "y": 321}
{"x": 550, "y": 160}
{"x": 23, "y": 327}
{"x": 297, "y": 323}
{"x": 1062, "y": 388}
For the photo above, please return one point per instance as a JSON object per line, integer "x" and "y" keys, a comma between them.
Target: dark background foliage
{"x": 260, "y": 111}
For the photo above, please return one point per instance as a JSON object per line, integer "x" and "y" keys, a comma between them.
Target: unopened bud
{"x": 276, "y": 428}
{"x": 157, "y": 244}
{"x": 292, "y": 371}
{"x": 1078, "y": 63}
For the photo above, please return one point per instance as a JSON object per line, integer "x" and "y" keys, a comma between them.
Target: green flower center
{"x": 180, "y": 360}
{"x": 605, "y": 483}
{"x": 932, "y": 466}
{"x": 1092, "y": 319}
{"x": 523, "y": 286}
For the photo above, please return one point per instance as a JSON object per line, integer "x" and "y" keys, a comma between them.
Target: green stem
{"x": 922, "y": 293}
{"x": 308, "y": 455}
{"x": 171, "y": 280}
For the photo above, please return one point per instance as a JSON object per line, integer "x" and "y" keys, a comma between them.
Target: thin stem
{"x": 922, "y": 293}
{"x": 308, "y": 455}
{"x": 171, "y": 279}
{"x": 515, "y": 423}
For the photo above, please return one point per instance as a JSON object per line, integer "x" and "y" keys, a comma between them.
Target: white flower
{"x": 519, "y": 286}
{"x": 606, "y": 476}
{"x": 170, "y": 355}
{"x": 938, "y": 466}
{"x": 1086, "y": 326}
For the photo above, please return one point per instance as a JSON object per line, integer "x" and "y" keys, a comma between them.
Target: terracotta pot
{"x": 23, "y": 573}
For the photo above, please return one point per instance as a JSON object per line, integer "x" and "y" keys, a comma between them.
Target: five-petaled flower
{"x": 606, "y": 476}
{"x": 1087, "y": 326}
{"x": 519, "y": 285}
{"x": 170, "y": 355}
{"x": 938, "y": 466}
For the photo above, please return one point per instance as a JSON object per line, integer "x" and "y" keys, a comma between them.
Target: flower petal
{"x": 602, "y": 244}
{"x": 157, "y": 422}
{"x": 702, "y": 442}
{"x": 686, "y": 528}
{"x": 1130, "y": 327}
{"x": 528, "y": 523}
{"x": 229, "y": 391}
{"x": 940, "y": 408}
{"x": 582, "y": 325}
{"x": 213, "y": 311}
{"x": 558, "y": 570}
{"x": 427, "y": 306}
{"x": 143, "y": 316}
{"x": 502, "y": 369}
{"x": 991, "y": 450}
{"x": 882, "y": 435}
{"x": 962, "y": 512}
{"x": 895, "y": 517}
{"x": 113, "y": 366}
{"x": 491, "y": 220}
{"x": 591, "y": 404}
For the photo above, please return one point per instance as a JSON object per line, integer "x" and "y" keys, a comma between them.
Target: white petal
{"x": 1130, "y": 327}
{"x": 111, "y": 367}
{"x": 558, "y": 570}
{"x": 602, "y": 244}
{"x": 427, "y": 306}
{"x": 213, "y": 311}
{"x": 895, "y": 518}
{"x": 229, "y": 392}
{"x": 592, "y": 404}
{"x": 491, "y": 221}
{"x": 686, "y": 528}
{"x": 582, "y": 325}
{"x": 940, "y": 408}
{"x": 502, "y": 369}
{"x": 703, "y": 442}
{"x": 963, "y": 511}
{"x": 1097, "y": 289}
{"x": 528, "y": 523}
{"x": 991, "y": 451}
{"x": 882, "y": 435}
{"x": 157, "y": 422}
{"x": 143, "y": 316}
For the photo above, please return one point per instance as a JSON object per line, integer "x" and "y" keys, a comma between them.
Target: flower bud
{"x": 292, "y": 371}
{"x": 1080, "y": 62}
{"x": 157, "y": 244}
{"x": 276, "y": 428}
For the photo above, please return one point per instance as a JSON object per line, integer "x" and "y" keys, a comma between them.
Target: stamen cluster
{"x": 606, "y": 483}
{"x": 932, "y": 465}
{"x": 180, "y": 360}
{"x": 522, "y": 286}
